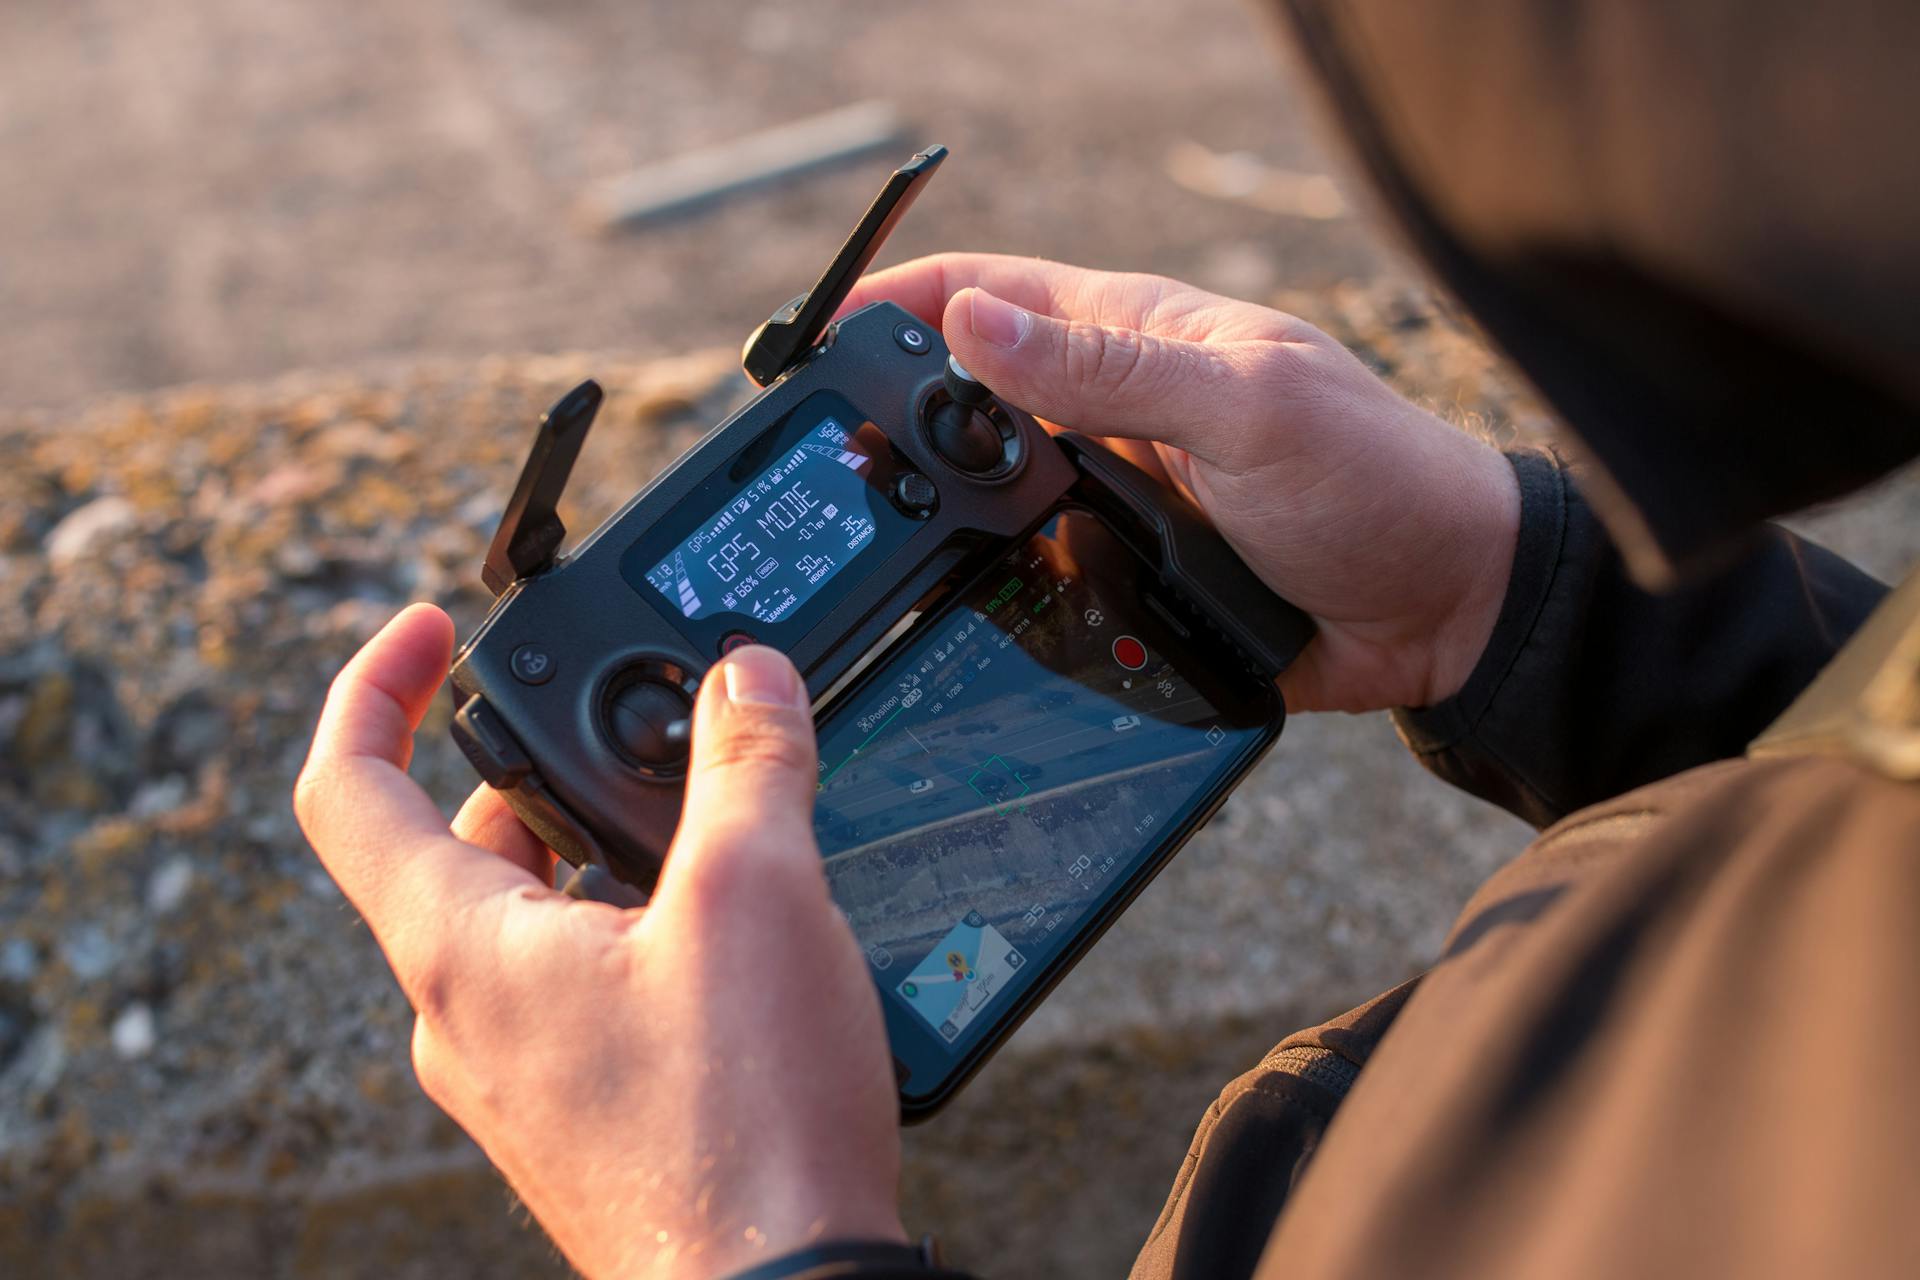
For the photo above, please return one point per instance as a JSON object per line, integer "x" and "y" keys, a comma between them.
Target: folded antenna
{"x": 530, "y": 531}
{"x": 796, "y": 328}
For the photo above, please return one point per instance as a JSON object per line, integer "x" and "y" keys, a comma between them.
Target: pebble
{"x": 43, "y": 1061}
{"x": 88, "y": 951}
{"x": 157, "y": 797}
{"x": 292, "y": 483}
{"x": 352, "y": 440}
{"x": 76, "y": 533}
{"x": 168, "y": 887}
{"x": 482, "y": 511}
{"x": 19, "y": 961}
{"x": 134, "y": 1033}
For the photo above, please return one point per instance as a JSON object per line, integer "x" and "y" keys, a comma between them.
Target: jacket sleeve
{"x": 1591, "y": 686}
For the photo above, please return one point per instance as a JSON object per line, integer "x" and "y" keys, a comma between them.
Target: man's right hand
{"x": 1394, "y": 529}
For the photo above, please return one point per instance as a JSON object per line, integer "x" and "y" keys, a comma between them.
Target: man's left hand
{"x": 684, "y": 1089}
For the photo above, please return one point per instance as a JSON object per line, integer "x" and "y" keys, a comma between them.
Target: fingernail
{"x": 763, "y": 675}
{"x": 1000, "y": 323}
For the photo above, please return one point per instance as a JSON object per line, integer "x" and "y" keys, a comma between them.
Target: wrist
{"x": 1489, "y": 532}
{"x": 751, "y": 1241}
{"x": 840, "y": 1259}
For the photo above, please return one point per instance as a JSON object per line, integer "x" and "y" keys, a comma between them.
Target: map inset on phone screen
{"x": 960, "y": 975}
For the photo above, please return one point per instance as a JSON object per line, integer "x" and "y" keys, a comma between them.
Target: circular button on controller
{"x": 641, "y": 716}
{"x": 913, "y": 339}
{"x": 1129, "y": 652}
{"x": 531, "y": 664}
{"x": 736, "y": 640}
{"x": 914, "y": 493}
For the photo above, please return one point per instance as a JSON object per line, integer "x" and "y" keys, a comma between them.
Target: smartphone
{"x": 997, "y": 788}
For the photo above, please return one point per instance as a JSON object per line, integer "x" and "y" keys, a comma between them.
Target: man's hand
{"x": 681, "y": 1090}
{"x": 1392, "y": 528}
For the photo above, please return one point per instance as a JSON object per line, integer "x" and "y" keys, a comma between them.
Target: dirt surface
{"x": 229, "y": 189}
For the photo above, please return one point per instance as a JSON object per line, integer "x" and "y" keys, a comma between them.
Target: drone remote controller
{"x": 874, "y": 481}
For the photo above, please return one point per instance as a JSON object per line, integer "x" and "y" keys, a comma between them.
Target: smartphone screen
{"x": 996, "y": 789}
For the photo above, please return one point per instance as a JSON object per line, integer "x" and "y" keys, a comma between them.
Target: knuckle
{"x": 430, "y": 1063}
{"x": 312, "y": 794}
{"x": 1102, "y": 358}
{"x": 739, "y": 862}
{"x": 431, "y": 982}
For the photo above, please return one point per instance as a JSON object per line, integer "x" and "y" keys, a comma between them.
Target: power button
{"x": 913, "y": 338}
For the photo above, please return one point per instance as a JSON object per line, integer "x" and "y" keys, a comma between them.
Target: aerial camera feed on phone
{"x": 779, "y": 538}
{"x": 1002, "y": 777}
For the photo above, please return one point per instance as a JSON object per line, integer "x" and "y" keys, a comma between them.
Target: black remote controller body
{"x": 573, "y": 694}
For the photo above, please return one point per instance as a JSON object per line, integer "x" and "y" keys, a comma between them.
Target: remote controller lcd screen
{"x": 763, "y": 542}
{"x": 790, "y": 529}
{"x": 993, "y": 785}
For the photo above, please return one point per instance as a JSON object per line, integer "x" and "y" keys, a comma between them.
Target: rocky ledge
{"x": 203, "y": 1062}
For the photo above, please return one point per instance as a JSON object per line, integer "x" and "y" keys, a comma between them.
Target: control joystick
{"x": 963, "y": 386}
{"x": 959, "y": 425}
{"x": 647, "y": 720}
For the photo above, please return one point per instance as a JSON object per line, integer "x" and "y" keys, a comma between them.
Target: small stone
{"x": 298, "y": 560}
{"x": 76, "y": 533}
{"x": 13, "y": 711}
{"x": 358, "y": 620}
{"x": 134, "y": 1033}
{"x": 19, "y": 961}
{"x": 160, "y": 796}
{"x": 169, "y": 885}
{"x": 291, "y": 484}
{"x": 482, "y": 511}
{"x": 88, "y": 952}
{"x": 270, "y": 828}
{"x": 352, "y": 440}
{"x": 43, "y": 1059}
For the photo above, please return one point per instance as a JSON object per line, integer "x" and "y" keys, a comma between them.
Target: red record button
{"x": 1129, "y": 653}
{"x": 735, "y": 640}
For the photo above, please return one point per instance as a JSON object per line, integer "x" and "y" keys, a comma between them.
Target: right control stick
{"x": 962, "y": 432}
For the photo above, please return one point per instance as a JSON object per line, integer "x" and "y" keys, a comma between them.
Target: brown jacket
{"x": 1680, "y": 1035}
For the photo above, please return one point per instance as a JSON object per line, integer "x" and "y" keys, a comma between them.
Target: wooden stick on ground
{"x": 686, "y": 182}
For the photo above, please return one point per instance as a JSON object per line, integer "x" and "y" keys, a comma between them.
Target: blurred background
{"x": 282, "y": 290}
{"x": 229, "y": 189}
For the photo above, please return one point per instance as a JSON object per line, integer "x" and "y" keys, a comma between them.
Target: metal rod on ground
{"x": 687, "y": 182}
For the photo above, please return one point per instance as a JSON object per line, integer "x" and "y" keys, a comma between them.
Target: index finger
{"x": 379, "y": 835}
{"x": 925, "y": 285}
